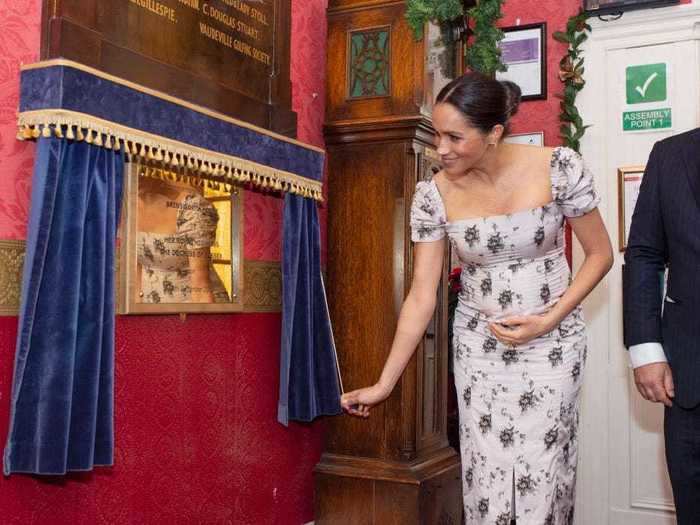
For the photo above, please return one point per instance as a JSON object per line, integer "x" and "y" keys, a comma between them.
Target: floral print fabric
{"x": 165, "y": 258}
{"x": 518, "y": 406}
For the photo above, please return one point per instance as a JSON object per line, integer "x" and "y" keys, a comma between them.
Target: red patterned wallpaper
{"x": 309, "y": 86}
{"x": 197, "y": 437}
{"x": 196, "y": 401}
{"x": 19, "y": 43}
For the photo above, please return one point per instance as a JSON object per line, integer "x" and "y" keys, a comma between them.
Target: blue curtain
{"x": 62, "y": 392}
{"x": 309, "y": 382}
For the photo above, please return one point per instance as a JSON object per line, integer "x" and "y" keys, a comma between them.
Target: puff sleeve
{"x": 197, "y": 220}
{"x": 572, "y": 183}
{"x": 427, "y": 214}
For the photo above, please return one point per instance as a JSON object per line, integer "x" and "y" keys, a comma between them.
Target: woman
{"x": 176, "y": 230}
{"x": 519, "y": 336}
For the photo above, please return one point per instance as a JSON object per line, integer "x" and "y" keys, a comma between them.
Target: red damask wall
{"x": 19, "y": 43}
{"x": 196, "y": 402}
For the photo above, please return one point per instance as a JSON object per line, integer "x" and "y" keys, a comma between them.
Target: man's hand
{"x": 655, "y": 383}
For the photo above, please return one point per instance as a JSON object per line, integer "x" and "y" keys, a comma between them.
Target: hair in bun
{"x": 513, "y": 96}
{"x": 484, "y": 101}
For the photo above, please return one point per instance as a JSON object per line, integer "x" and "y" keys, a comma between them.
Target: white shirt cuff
{"x": 646, "y": 353}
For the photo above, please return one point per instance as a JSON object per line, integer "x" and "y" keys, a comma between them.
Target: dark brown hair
{"x": 483, "y": 101}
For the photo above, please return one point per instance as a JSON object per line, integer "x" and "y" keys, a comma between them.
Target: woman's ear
{"x": 496, "y": 134}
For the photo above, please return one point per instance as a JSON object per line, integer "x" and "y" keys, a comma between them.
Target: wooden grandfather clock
{"x": 397, "y": 466}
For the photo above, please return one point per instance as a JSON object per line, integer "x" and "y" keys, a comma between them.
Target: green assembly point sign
{"x": 646, "y": 83}
{"x": 644, "y": 120}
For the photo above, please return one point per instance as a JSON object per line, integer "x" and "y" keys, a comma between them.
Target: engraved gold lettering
{"x": 243, "y": 48}
{"x": 194, "y": 4}
{"x": 220, "y": 16}
{"x": 259, "y": 16}
{"x": 241, "y": 30}
{"x": 157, "y": 8}
{"x": 261, "y": 56}
{"x": 247, "y": 30}
{"x": 216, "y": 35}
{"x": 238, "y": 6}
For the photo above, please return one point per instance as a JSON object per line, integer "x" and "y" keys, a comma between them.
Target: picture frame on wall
{"x": 629, "y": 180}
{"x": 180, "y": 245}
{"x": 524, "y": 53}
{"x": 532, "y": 139}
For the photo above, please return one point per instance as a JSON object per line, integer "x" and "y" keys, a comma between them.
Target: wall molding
{"x": 262, "y": 292}
{"x": 11, "y": 263}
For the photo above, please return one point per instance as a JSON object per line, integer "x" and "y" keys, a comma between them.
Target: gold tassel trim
{"x": 183, "y": 160}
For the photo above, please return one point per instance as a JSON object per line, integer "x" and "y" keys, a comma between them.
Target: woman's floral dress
{"x": 518, "y": 407}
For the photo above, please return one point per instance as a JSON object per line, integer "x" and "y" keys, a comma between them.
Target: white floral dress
{"x": 518, "y": 407}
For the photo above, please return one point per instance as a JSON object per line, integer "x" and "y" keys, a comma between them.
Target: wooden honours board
{"x": 231, "y": 56}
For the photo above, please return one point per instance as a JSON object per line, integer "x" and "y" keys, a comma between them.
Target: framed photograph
{"x": 629, "y": 179}
{"x": 524, "y": 52}
{"x": 532, "y": 139}
{"x": 180, "y": 247}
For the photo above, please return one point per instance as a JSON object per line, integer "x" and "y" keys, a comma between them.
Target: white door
{"x": 622, "y": 474}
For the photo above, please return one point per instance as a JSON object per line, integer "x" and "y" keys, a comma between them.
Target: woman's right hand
{"x": 358, "y": 402}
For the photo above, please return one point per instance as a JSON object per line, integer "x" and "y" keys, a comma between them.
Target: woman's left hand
{"x": 522, "y": 329}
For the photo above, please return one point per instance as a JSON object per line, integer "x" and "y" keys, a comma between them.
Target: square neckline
{"x": 498, "y": 216}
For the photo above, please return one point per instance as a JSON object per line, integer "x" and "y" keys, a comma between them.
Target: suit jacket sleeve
{"x": 645, "y": 259}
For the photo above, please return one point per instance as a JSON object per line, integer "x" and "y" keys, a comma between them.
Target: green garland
{"x": 571, "y": 71}
{"x": 419, "y": 12}
{"x": 484, "y": 54}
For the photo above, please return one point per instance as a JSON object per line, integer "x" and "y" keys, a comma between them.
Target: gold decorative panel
{"x": 11, "y": 262}
{"x": 262, "y": 290}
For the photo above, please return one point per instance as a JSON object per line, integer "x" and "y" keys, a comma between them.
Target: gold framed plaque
{"x": 180, "y": 245}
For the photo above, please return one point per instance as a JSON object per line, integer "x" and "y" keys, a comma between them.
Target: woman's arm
{"x": 415, "y": 315}
{"x": 598, "y": 259}
{"x": 591, "y": 233}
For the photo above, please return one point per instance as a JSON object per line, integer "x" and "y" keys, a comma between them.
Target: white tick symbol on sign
{"x": 643, "y": 90}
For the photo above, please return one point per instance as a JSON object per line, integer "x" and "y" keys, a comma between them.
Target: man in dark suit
{"x": 664, "y": 343}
